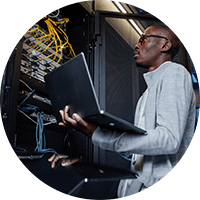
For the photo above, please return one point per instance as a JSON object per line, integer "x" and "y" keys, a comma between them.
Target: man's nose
{"x": 136, "y": 46}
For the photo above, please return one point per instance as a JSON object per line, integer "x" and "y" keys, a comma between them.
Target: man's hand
{"x": 76, "y": 122}
{"x": 66, "y": 162}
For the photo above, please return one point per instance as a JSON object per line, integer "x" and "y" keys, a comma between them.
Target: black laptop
{"x": 71, "y": 84}
{"x": 84, "y": 180}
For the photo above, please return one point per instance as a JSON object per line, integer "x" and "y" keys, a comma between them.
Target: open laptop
{"x": 71, "y": 85}
{"x": 84, "y": 180}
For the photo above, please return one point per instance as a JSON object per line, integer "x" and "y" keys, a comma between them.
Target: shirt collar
{"x": 153, "y": 76}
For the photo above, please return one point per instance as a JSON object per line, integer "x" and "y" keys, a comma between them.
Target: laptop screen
{"x": 71, "y": 84}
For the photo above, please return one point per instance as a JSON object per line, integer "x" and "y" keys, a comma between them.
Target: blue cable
{"x": 27, "y": 97}
{"x": 40, "y": 137}
{"x": 125, "y": 157}
{"x": 29, "y": 107}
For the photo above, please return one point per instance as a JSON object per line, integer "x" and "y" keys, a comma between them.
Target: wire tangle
{"x": 56, "y": 39}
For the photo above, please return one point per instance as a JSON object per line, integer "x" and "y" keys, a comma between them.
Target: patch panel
{"x": 41, "y": 98}
{"x": 37, "y": 63}
{"x": 45, "y": 117}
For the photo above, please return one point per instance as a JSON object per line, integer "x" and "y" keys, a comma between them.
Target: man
{"x": 166, "y": 111}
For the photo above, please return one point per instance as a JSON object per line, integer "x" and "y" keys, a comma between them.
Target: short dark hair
{"x": 172, "y": 37}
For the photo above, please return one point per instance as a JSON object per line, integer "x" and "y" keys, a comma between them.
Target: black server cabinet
{"x": 9, "y": 92}
{"x": 117, "y": 80}
{"x": 19, "y": 129}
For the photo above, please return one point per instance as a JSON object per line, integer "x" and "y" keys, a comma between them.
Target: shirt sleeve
{"x": 175, "y": 96}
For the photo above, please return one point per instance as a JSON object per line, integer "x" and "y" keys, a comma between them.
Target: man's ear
{"x": 166, "y": 46}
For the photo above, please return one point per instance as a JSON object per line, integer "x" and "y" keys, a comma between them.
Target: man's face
{"x": 148, "y": 51}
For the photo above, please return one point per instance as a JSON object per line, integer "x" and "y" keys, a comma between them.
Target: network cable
{"x": 53, "y": 38}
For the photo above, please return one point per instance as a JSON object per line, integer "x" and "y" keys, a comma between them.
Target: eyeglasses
{"x": 145, "y": 36}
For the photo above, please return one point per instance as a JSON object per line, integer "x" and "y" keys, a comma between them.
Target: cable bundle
{"x": 40, "y": 137}
{"x": 40, "y": 134}
{"x": 56, "y": 39}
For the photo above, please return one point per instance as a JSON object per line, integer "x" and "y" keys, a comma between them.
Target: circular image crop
{"x": 99, "y": 99}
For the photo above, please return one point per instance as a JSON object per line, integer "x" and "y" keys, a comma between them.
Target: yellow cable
{"x": 61, "y": 21}
{"x": 37, "y": 27}
{"x": 54, "y": 33}
{"x": 35, "y": 44}
{"x": 47, "y": 46}
{"x": 60, "y": 30}
{"x": 58, "y": 59}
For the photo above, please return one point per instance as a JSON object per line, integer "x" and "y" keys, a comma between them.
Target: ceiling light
{"x": 121, "y": 8}
{"x": 136, "y": 26}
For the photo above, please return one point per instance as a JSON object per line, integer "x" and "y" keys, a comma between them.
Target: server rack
{"x": 18, "y": 82}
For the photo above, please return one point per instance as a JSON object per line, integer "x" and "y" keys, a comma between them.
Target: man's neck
{"x": 155, "y": 66}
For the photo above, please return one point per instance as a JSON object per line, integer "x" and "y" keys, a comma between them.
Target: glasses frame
{"x": 149, "y": 35}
